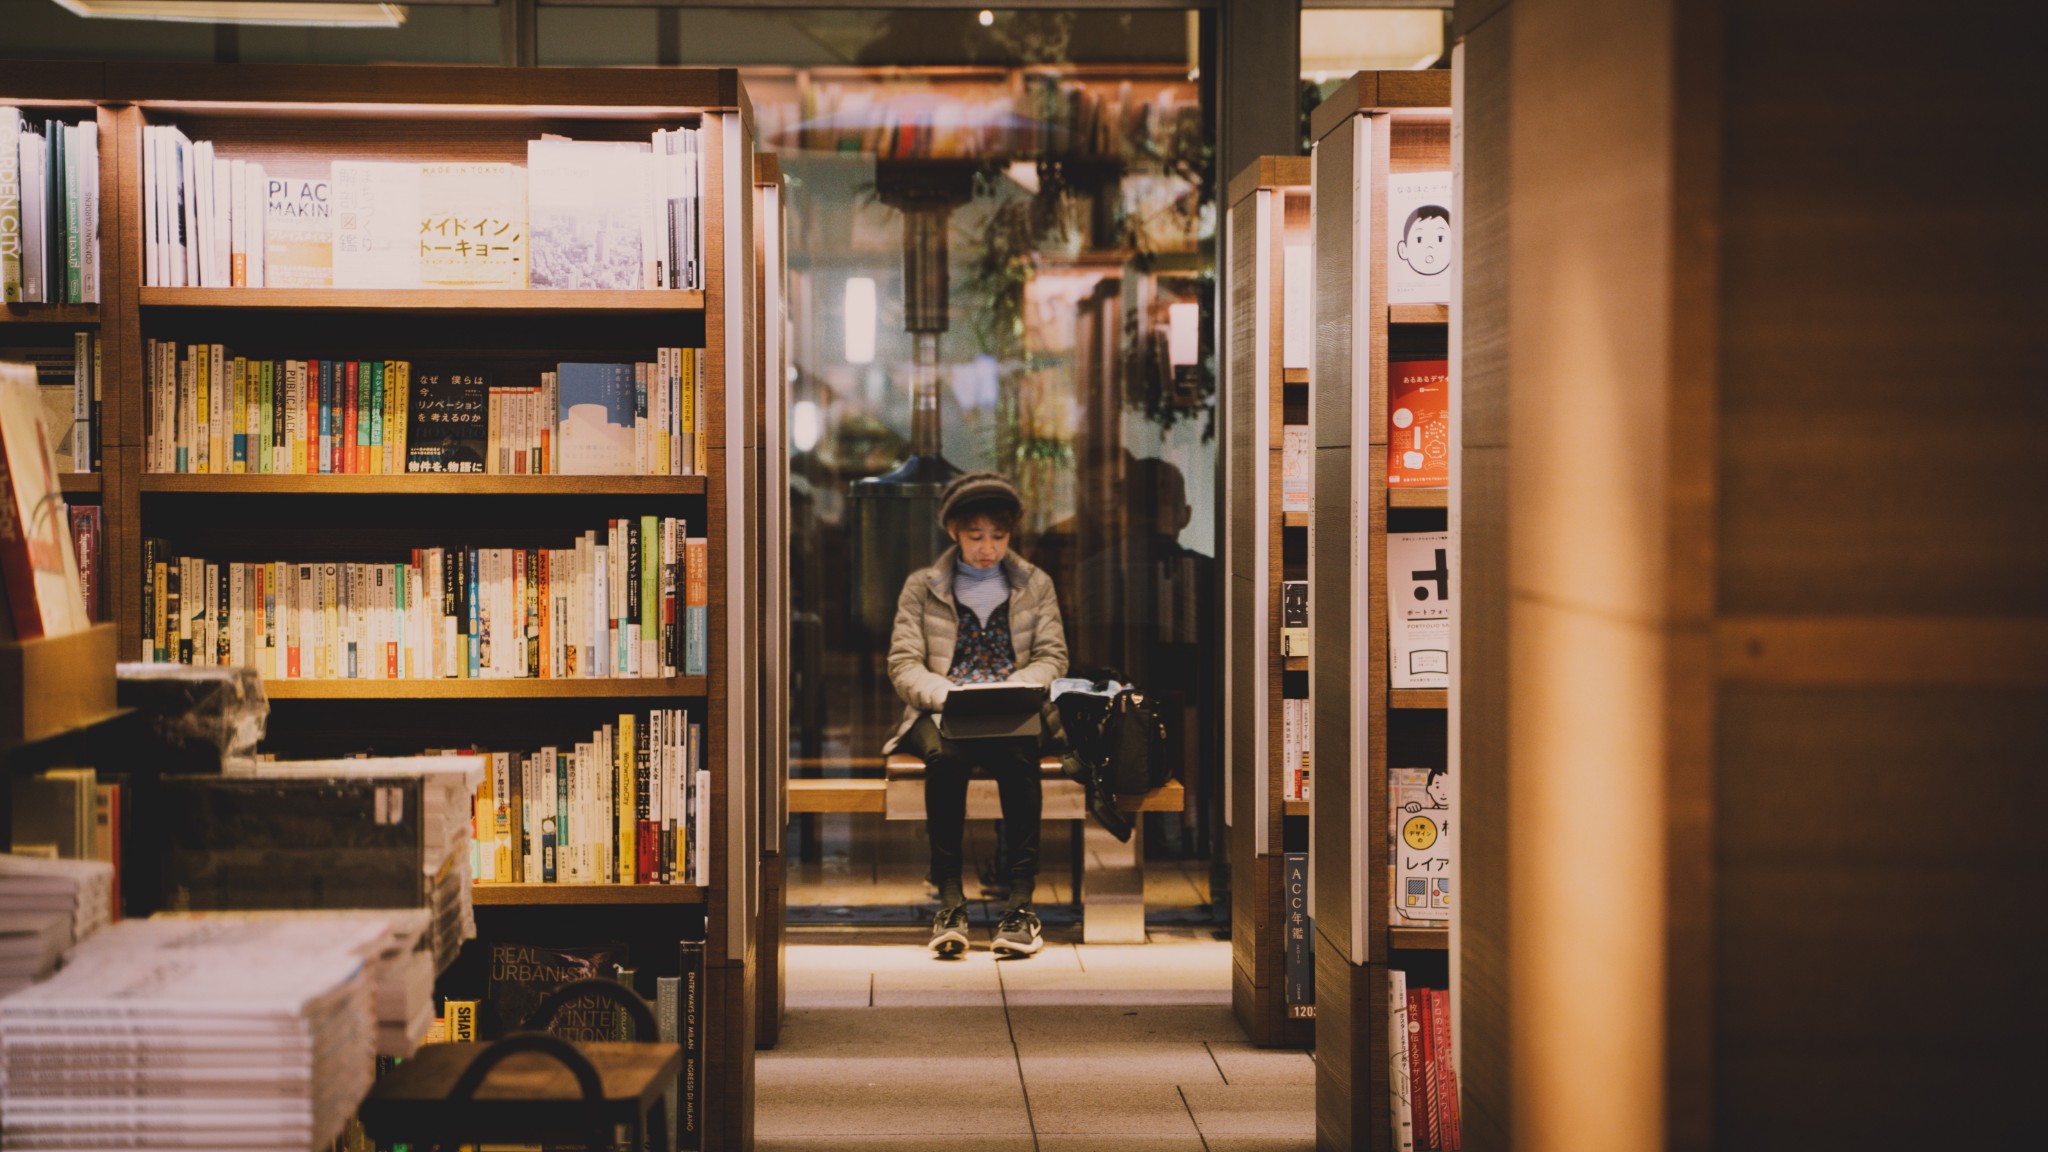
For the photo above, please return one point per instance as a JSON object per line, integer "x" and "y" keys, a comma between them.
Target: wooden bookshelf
{"x": 1419, "y": 699}
{"x": 81, "y": 483}
{"x": 569, "y": 895}
{"x": 1268, "y": 209}
{"x": 1418, "y": 498}
{"x": 56, "y": 684}
{"x": 1379, "y": 124}
{"x": 596, "y": 688}
{"x": 1418, "y": 313}
{"x": 444, "y": 301}
{"x": 1419, "y": 939}
{"x": 417, "y": 484}
{"x": 771, "y": 308}
{"x": 68, "y": 315}
{"x": 305, "y": 117}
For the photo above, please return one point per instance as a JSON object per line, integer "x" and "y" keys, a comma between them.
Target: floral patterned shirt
{"x": 982, "y": 653}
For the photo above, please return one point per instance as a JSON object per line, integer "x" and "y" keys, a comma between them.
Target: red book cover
{"x": 1422, "y": 1085}
{"x": 351, "y": 459}
{"x": 1446, "y": 1068}
{"x": 309, "y": 417}
{"x": 1418, "y": 423}
{"x": 85, "y": 543}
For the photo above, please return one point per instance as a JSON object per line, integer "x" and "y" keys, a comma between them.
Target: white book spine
{"x": 89, "y": 203}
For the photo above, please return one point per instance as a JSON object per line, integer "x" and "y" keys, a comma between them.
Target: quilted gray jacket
{"x": 927, "y": 623}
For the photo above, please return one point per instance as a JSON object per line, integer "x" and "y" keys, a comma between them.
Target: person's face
{"x": 982, "y": 541}
{"x": 1439, "y": 790}
{"x": 1427, "y": 248}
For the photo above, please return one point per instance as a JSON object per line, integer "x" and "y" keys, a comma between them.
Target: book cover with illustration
{"x": 587, "y": 204}
{"x": 472, "y": 230}
{"x": 1418, "y": 423}
{"x": 1419, "y": 609}
{"x": 1421, "y": 245}
{"x": 445, "y": 430}
{"x": 1419, "y": 804}
{"x": 594, "y": 419}
{"x": 40, "y": 570}
{"x": 376, "y": 224}
{"x": 298, "y": 233}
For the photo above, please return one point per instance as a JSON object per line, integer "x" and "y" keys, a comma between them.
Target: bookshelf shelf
{"x": 1418, "y": 313}
{"x": 415, "y": 484}
{"x": 1269, "y": 207}
{"x": 77, "y": 483}
{"x": 72, "y": 314}
{"x": 1418, "y": 498}
{"x": 566, "y": 895}
{"x": 652, "y": 688}
{"x": 56, "y": 684}
{"x": 1419, "y": 939}
{"x": 447, "y": 301}
{"x": 1419, "y": 699}
{"x": 309, "y": 117}
{"x": 1378, "y": 127}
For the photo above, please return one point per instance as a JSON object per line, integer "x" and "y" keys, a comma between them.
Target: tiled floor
{"x": 1080, "y": 1048}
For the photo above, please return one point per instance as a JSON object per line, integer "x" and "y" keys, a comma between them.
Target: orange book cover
{"x": 1418, "y": 423}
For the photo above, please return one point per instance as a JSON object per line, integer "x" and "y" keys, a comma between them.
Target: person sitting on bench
{"x": 980, "y": 614}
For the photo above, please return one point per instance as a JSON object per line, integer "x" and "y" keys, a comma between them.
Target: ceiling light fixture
{"x": 987, "y": 18}
{"x": 295, "y": 13}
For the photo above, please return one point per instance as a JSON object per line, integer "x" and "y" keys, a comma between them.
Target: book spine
{"x": 1299, "y": 962}
{"x": 667, "y": 994}
{"x": 10, "y": 206}
{"x": 374, "y": 426}
{"x": 645, "y": 588}
{"x": 697, "y": 622}
{"x": 551, "y": 820}
{"x": 690, "y": 1134}
{"x": 355, "y": 436}
{"x": 1446, "y": 1069}
{"x": 1422, "y": 1082}
{"x": 461, "y": 1017}
{"x": 1400, "y": 1111}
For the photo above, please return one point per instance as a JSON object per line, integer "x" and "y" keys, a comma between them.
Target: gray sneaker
{"x": 949, "y": 931}
{"x": 1018, "y": 934}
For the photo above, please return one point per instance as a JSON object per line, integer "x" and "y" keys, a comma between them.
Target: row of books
{"x": 521, "y": 975}
{"x": 631, "y": 805}
{"x": 213, "y": 412}
{"x": 1297, "y": 751}
{"x": 69, "y": 380}
{"x": 49, "y": 210}
{"x": 1422, "y": 1068}
{"x": 580, "y": 215}
{"x": 628, "y": 601}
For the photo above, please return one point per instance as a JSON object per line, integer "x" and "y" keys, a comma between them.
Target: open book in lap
{"x": 1004, "y": 710}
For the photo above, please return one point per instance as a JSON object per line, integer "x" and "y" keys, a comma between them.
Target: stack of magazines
{"x": 80, "y": 891}
{"x": 250, "y": 1035}
{"x": 392, "y": 941}
{"x": 30, "y": 945}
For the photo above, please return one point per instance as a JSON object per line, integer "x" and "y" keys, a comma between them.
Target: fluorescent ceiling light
{"x": 300, "y": 13}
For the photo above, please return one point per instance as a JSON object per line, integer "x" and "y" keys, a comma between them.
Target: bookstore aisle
{"x": 1081, "y": 1048}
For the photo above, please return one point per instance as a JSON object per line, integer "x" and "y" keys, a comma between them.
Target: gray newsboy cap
{"x": 971, "y": 489}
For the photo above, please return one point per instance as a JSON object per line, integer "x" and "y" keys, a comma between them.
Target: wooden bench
{"x": 1109, "y": 876}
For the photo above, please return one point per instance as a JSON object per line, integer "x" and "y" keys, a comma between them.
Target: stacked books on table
{"x": 80, "y": 892}
{"x": 31, "y": 943}
{"x": 327, "y": 834}
{"x": 392, "y": 942}
{"x": 252, "y": 1036}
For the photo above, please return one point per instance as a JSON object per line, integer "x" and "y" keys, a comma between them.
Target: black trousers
{"x": 948, "y": 764}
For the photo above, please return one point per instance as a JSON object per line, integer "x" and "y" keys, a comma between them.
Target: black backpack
{"x": 1120, "y": 737}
